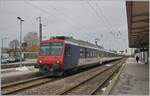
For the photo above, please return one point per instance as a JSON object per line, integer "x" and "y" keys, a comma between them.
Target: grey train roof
{"x": 71, "y": 40}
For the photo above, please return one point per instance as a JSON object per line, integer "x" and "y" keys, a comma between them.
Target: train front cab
{"x": 51, "y": 57}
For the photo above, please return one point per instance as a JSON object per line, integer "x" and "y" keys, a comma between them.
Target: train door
{"x": 85, "y": 52}
{"x": 70, "y": 56}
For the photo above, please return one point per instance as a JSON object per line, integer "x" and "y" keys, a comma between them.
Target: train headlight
{"x": 40, "y": 61}
{"x": 57, "y": 61}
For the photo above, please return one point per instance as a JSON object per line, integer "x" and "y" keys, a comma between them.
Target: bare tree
{"x": 14, "y": 44}
{"x": 31, "y": 40}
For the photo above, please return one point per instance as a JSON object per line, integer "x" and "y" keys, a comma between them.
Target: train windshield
{"x": 54, "y": 48}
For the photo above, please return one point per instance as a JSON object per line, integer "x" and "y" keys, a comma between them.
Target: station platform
{"x": 134, "y": 79}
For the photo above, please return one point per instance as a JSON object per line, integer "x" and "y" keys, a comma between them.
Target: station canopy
{"x": 138, "y": 23}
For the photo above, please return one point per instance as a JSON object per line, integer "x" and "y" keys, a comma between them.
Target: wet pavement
{"x": 134, "y": 79}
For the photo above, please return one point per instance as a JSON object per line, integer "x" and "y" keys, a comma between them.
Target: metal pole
{"x": 21, "y": 20}
{"x": 40, "y": 29}
{"x": 21, "y": 43}
{"x": 0, "y": 56}
{"x": 2, "y": 47}
{"x": 40, "y": 32}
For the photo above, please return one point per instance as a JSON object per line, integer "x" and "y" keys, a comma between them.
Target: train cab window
{"x": 45, "y": 49}
{"x": 56, "y": 48}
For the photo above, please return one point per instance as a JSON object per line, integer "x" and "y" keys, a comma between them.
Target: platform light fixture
{"x": 21, "y": 20}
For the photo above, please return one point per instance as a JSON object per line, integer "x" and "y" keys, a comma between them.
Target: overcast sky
{"x": 84, "y": 20}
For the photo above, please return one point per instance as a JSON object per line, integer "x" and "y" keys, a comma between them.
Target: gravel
{"x": 59, "y": 86}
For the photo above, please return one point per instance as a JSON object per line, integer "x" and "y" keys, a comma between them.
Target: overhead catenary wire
{"x": 43, "y": 10}
{"x": 40, "y": 9}
{"x": 116, "y": 34}
{"x": 100, "y": 19}
{"x": 103, "y": 16}
{"x": 48, "y": 13}
{"x": 77, "y": 23}
{"x": 70, "y": 19}
{"x": 107, "y": 20}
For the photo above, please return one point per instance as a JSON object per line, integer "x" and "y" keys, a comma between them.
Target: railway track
{"x": 104, "y": 77}
{"x": 25, "y": 84}
{"x": 104, "y": 71}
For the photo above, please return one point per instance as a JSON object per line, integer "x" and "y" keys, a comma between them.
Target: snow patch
{"x": 108, "y": 65}
{"x": 22, "y": 68}
{"x": 103, "y": 89}
{"x": 110, "y": 81}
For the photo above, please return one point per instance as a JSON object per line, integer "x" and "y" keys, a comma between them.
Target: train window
{"x": 99, "y": 54}
{"x": 54, "y": 48}
{"x": 82, "y": 53}
{"x": 85, "y": 53}
{"x": 68, "y": 51}
{"x": 45, "y": 49}
{"x": 88, "y": 54}
{"x": 94, "y": 53}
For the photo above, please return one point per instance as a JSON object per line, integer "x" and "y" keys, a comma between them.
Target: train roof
{"x": 71, "y": 40}
{"x": 81, "y": 43}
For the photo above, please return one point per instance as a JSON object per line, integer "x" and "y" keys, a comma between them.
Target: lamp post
{"x": 21, "y": 20}
{"x": 40, "y": 28}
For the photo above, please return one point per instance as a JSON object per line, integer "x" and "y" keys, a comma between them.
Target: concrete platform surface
{"x": 134, "y": 79}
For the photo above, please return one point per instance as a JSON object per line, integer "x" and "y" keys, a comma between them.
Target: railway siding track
{"x": 5, "y": 66}
{"x": 24, "y": 84}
